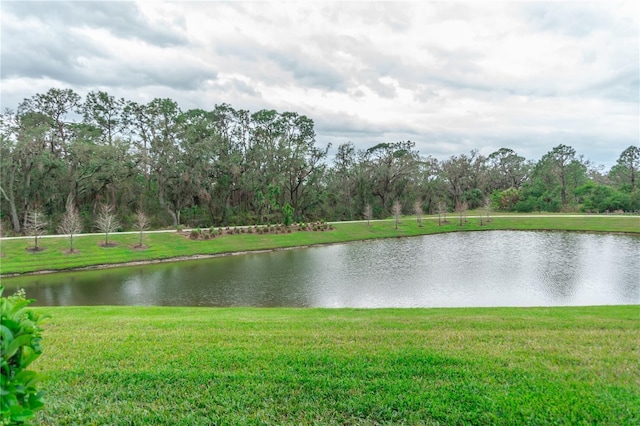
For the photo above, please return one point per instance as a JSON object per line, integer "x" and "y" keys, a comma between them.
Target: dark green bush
{"x": 20, "y": 336}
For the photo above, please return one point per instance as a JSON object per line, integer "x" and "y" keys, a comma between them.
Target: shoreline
{"x": 183, "y": 258}
{"x": 157, "y": 261}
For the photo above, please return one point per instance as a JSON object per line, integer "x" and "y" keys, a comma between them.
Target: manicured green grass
{"x": 201, "y": 366}
{"x": 16, "y": 259}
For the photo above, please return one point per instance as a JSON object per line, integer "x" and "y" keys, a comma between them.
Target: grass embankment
{"x": 201, "y": 366}
{"x": 16, "y": 259}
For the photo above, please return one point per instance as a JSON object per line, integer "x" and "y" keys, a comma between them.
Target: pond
{"x": 497, "y": 268}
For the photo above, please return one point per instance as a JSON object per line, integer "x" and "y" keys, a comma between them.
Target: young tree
{"x": 442, "y": 212}
{"x": 287, "y": 215}
{"x": 417, "y": 209}
{"x": 487, "y": 206}
{"x": 106, "y": 221}
{"x": 461, "y": 209}
{"x": 71, "y": 224}
{"x": 36, "y": 226}
{"x": 140, "y": 223}
{"x": 368, "y": 213}
{"x": 397, "y": 211}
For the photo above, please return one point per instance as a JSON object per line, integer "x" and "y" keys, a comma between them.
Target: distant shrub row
{"x": 209, "y": 233}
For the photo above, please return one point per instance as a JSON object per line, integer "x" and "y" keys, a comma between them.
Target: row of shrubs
{"x": 209, "y": 233}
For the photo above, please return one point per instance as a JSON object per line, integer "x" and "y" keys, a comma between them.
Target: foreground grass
{"x": 16, "y": 259}
{"x": 201, "y": 366}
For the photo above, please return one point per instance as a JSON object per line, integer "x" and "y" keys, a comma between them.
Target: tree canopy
{"x": 228, "y": 166}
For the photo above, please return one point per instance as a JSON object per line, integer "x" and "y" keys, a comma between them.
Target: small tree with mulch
{"x": 368, "y": 213}
{"x": 140, "y": 223}
{"x": 417, "y": 209}
{"x": 71, "y": 224}
{"x": 487, "y": 207}
{"x": 397, "y": 211}
{"x": 461, "y": 209}
{"x": 36, "y": 226}
{"x": 442, "y": 213}
{"x": 107, "y": 223}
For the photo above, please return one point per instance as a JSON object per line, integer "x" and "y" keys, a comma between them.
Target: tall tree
{"x": 30, "y": 171}
{"x": 465, "y": 178}
{"x": 166, "y": 160}
{"x": 388, "y": 167}
{"x": 342, "y": 183}
{"x": 625, "y": 172}
{"x": 506, "y": 170}
{"x": 560, "y": 171}
{"x": 55, "y": 105}
{"x": 10, "y": 169}
{"x": 105, "y": 113}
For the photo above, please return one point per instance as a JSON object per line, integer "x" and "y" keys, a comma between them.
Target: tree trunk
{"x": 15, "y": 220}
{"x": 174, "y": 218}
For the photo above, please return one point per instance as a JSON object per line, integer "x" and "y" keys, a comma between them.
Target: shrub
{"x": 20, "y": 345}
{"x": 287, "y": 215}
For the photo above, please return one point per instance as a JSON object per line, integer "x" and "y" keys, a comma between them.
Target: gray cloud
{"x": 46, "y": 40}
{"x": 307, "y": 71}
{"x": 122, "y": 19}
{"x": 34, "y": 50}
{"x": 451, "y": 76}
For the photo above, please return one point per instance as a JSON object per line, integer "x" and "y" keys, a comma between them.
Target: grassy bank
{"x": 197, "y": 366}
{"x": 16, "y": 259}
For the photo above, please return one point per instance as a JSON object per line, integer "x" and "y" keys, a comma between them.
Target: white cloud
{"x": 451, "y": 76}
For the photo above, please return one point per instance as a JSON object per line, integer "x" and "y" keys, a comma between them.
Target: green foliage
{"x": 602, "y": 198}
{"x": 287, "y": 215}
{"x": 506, "y": 200}
{"x": 474, "y": 197}
{"x": 20, "y": 336}
{"x": 553, "y": 181}
{"x": 626, "y": 171}
{"x": 228, "y": 167}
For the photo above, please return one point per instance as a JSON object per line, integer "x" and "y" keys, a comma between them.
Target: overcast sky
{"x": 450, "y": 76}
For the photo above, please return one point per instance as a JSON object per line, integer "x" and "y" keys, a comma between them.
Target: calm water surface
{"x": 449, "y": 270}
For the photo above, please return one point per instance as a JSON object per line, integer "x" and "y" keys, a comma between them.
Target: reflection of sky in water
{"x": 460, "y": 269}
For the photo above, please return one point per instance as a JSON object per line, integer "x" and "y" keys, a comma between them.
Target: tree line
{"x": 230, "y": 166}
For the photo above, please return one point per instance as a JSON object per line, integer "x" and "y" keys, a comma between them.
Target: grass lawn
{"x": 202, "y": 366}
{"x": 15, "y": 258}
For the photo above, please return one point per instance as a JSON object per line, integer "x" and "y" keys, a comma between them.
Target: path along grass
{"x": 16, "y": 259}
{"x": 202, "y": 366}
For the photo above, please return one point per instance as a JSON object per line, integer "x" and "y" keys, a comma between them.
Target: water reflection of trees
{"x": 498, "y": 268}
